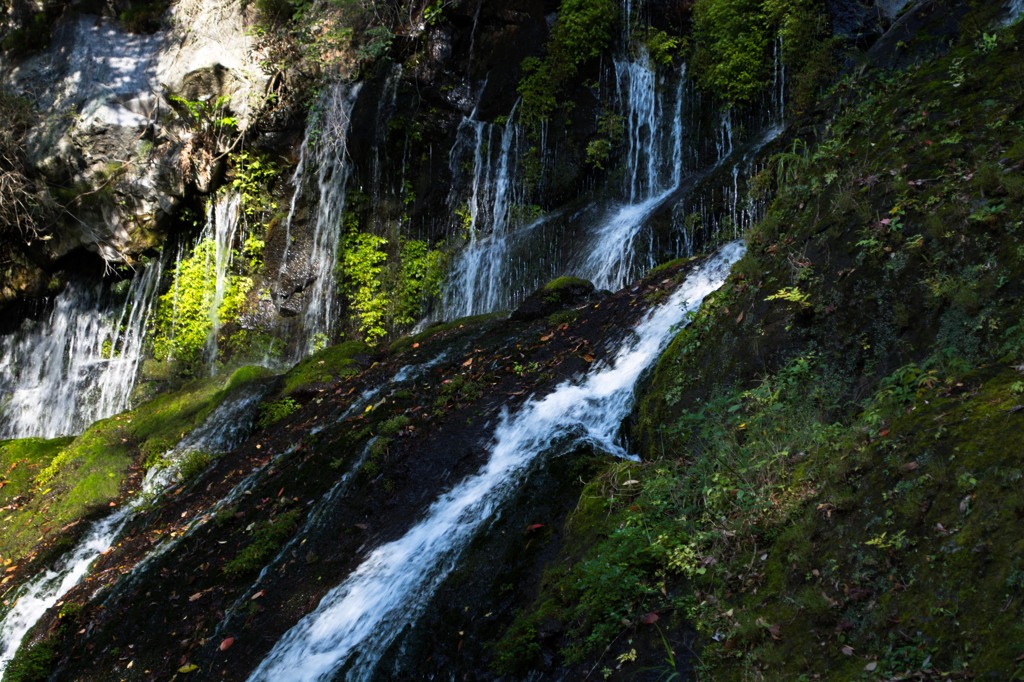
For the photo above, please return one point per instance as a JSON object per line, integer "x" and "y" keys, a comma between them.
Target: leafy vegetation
{"x": 582, "y": 31}
{"x": 267, "y": 538}
{"x": 734, "y": 40}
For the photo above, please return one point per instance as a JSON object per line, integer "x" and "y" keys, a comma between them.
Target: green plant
{"x": 253, "y": 177}
{"x": 791, "y": 295}
{"x": 378, "y": 43}
{"x": 193, "y": 464}
{"x": 267, "y": 538}
{"x": 362, "y": 266}
{"x": 184, "y": 323}
{"x": 273, "y": 412}
{"x": 433, "y": 13}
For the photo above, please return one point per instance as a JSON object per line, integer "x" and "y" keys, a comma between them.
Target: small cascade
{"x": 222, "y": 228}
{"x": 224, "y": 429}
{"x": 1016, "y": 9}
{"x": 778, "y": 94}
{"x": 43, "y": 592}
{"x": 80, "y": 364}
{"x": 357, "y": 621}
{"x": 479, "y": 279}
{"x": 654, "y": 170}
{"x": 329, "y": 148}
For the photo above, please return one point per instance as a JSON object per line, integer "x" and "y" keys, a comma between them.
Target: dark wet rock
{"x": 558, "y": 294}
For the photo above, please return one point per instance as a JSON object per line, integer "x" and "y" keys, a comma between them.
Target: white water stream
{"x": 79, "y": 365}
{"x": 330, "y": 152}
{"x": 358, "y": 620}
{"x": 221, "y": 431}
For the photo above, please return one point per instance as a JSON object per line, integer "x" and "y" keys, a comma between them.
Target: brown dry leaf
{"x": 467, "y": 363}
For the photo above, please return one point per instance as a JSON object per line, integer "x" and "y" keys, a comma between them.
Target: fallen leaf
{"x": 467, "y": 363}
{"x": 534, "y": 526}
{"x": 196, "y": 596}
{"x": 416, "y": 345}
{"x": 188, "y": 668}
{"x": 258, "y": 595}
{"x": 847, "y": 650}
{"x": 649, "y": 618}
{"x": 588, "y": 357}
{"x": 910, "y": 466}
{"x": 775, "y": 631}
{"x": 548, "y": 337}
{"x": 870, "y": 667}
{"x": 226, "y": 644}
{"x": 739, "y": 318}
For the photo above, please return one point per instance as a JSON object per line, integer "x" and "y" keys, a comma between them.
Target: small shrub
{"x": 268, "y": 537}
{"x": 273, "y": 412}
{"x": 193, "y": 464}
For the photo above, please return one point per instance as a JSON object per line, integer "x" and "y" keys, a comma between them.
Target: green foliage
{"x": 610, "y": 127}
{"x": 193, "y": 464}
{"x": 208, "y": 117}
{"x": 791, "y": 295}
{"x": 362, "y": 265}
{"x": 267, "y": 537}
{"x": 733, "y": 41}
{"x": 661, "y": 46}
{"x": 433, "y": 13}
{"x": 378, "y": 43}
{"x": 422, "y": 274}
{"x": 61, "y": 481}
{"x": 184, "y": 322}
{"x": 275, "y": 411}
{"x": 582, "y": 32}
{"x": 32, "y": 662}
{"x": 730, "y": 47}
{"x": 253, "y": 178}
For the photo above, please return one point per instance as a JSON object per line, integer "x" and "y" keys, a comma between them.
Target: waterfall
{"x": 359, "y": 619}
{"x": 654, "y": 171}
{"x": 329, "y": 141}
{"x": 80, "y": 364}
{"x": 222, "y": 227}
{"x": 478, "y": 282}
{"x": 226, "y": 426}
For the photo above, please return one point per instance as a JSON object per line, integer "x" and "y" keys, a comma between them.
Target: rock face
{"x": 134, "y": 123}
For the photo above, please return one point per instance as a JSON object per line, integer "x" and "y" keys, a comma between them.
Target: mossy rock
{"x": 554, "y": 296}
{"x": 325, "y": 366}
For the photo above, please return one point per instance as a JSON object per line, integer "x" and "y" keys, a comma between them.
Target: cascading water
{"x": 223, "y": 429}
{"x": 654, "y": 171}
{"x": 358, "y": 620}
{"x": 478, "y": 280}
{"x": 80, "y": 364}
{"x": 330, "y": 156}
{"x": 222, "y": 228}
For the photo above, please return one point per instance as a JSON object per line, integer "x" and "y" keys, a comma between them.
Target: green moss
{"x": 32, "y": 663}
{"x": 327, "y": 365}
{"x": 268, "y": 537}
{"x": 63, "y": 481}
